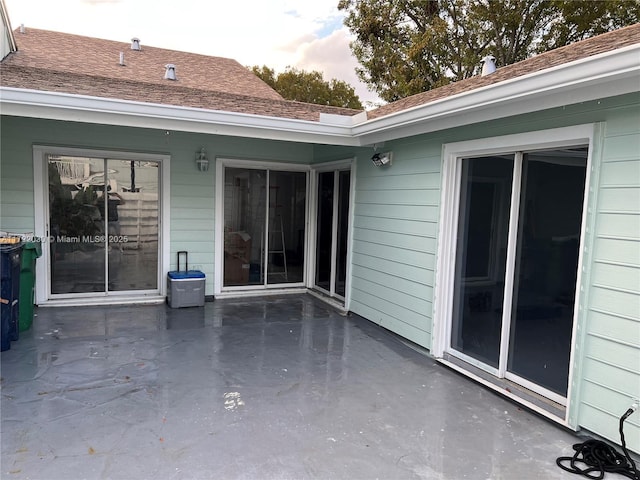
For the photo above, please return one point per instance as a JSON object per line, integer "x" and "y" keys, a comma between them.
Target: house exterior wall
{"x": 192, "y": 192}
{"x": 609, "y": 365}
{"x": 395, "y": 224}
{"x": 396, "y": 216}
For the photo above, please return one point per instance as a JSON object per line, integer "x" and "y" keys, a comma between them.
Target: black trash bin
{"x": 10, "y": 264}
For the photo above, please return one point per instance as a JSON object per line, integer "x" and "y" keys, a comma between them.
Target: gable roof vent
{"x": 135, "y": 44}
{"x": 170, "y": 72}
{"x": 488, "y": 65}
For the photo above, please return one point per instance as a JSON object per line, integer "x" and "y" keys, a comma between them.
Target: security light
{"x": 382, "y": 159}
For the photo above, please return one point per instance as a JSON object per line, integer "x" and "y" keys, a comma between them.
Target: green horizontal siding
{"x": 617, "y": 277}
{"x": 416, "y": 243}
{"x": 418, "y": 290}
{"x": 624, "y": 249}
{"x": 395, "y": 223}
{"x": 601, "y": 414}
{"x": 620, "y": 200}
{"x": 377, "y": 265}
{"x": 610, "y": 369}
{"x": 619, "y": 328}
{"x": 620, "y": 173}
{"x": 409, "y": 227}
{"x": 397, "y": 209}
{"x": 400, "y": 182}
{"x": 192, "y": 192}
{"x": 16, "y": 182}
{"x": 419, "y": 197}
{"x": 402, "y": 212}
{"x": 619, "y": 225}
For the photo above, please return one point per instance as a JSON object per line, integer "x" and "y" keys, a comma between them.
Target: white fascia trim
{"x": 84, "y": 108}
{"x": 345, "y": 120}
{"x": 564, "y": 84}
{"x": 599, "y": 76}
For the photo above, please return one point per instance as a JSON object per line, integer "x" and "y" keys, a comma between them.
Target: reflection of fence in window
{"x": 138, "y": 217}
{"x": 71, "y": 170}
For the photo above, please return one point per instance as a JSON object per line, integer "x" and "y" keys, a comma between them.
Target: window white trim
{"x": 41, "y": 215}
{"x": 221, "y": 164}
{"x": 447, "y": 235}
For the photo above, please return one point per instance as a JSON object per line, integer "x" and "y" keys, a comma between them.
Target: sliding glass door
{"x": 103, "y": 225}
{"x": 546, "y": 268}
{"x": 264, "y": 227}
{"x": 516, "y": 261}
{"x": 483, "y": 229}
{"x": 332, "y": 226}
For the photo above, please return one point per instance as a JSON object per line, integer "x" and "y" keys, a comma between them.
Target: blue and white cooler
{"x": 185, "y": 288}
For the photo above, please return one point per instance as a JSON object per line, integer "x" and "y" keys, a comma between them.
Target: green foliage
{"x": 410, "y": 46}
{"x": 309, "y": 87}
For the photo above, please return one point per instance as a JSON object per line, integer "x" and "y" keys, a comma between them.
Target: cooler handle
{"x": 186, "y": 260}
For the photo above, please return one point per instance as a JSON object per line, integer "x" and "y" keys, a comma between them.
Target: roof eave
{"x": 89, "y": 109}
{"x": 570, "y": 83}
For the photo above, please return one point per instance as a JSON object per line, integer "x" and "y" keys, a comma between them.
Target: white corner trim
{"x": 347, "y": 121}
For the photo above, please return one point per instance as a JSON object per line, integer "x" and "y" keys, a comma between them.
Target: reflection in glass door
{"x": 516, "y": 266}
{"x": 332, "y": 220}
{"x": 244, "y": 222}
{"x": 103, "y": 225}
{"x": 546, "y": 268}
{"x": 76, "y": 225}
{"x": 287, "y": 199}
{"x": 483, "y": 229}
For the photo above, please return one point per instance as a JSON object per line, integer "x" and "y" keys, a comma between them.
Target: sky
{"x": 305, "y": 34}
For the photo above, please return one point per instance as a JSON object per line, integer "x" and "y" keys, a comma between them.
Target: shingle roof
{"x": 75, "y": 54}
{"x": 60, "y": 62}
{"x": 78, "y": 84}
{"x": 592, "y": 46}
{"x": 65, "y": 63}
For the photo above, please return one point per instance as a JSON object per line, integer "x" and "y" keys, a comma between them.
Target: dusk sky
{"x": 278, "y": 33}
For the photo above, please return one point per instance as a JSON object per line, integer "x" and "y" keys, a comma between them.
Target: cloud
{"x": 276, "y": 33}
{"x": 332, "y": 56}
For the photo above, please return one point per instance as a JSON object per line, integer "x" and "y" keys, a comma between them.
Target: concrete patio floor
{"x": 264, "y": 388}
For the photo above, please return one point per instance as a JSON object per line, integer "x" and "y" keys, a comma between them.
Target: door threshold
{"x": 532, "y": 400}
{"x": 98, "y": 301}
{"x": 330, "y": 300}
{"x": 260, "y": 292}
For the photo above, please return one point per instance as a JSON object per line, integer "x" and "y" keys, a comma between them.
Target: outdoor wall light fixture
{"x": 382, "y": 159}
{"x": 202, "y": 162}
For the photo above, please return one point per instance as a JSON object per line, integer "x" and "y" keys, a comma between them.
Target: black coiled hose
{"x": 594, "y": 458}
